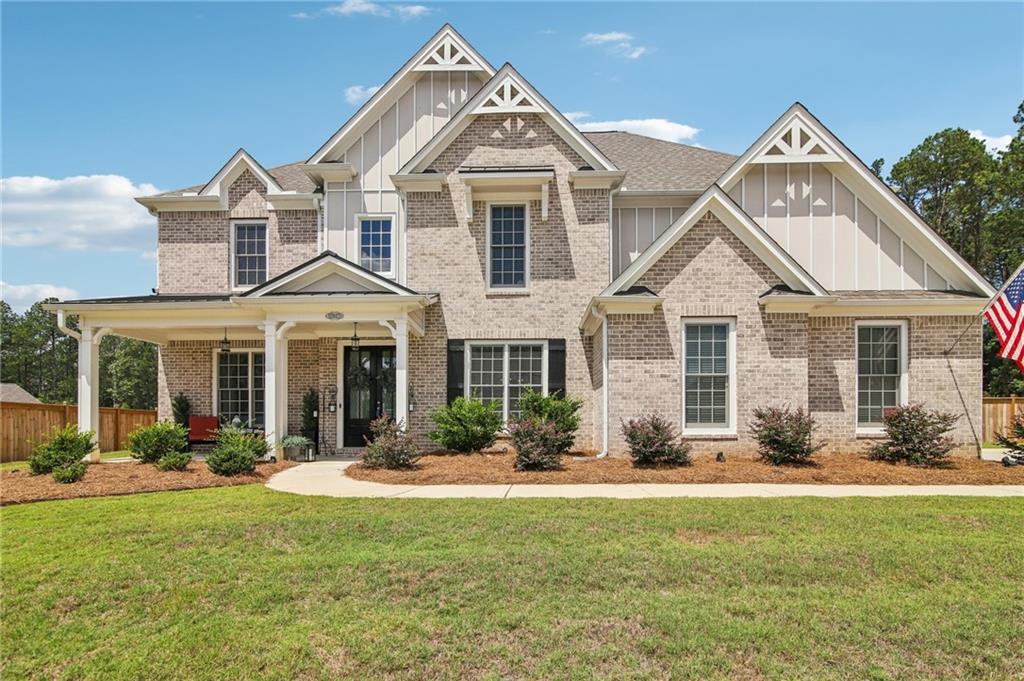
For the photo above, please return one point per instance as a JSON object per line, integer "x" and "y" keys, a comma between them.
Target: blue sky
{"x": 105, "y": 101}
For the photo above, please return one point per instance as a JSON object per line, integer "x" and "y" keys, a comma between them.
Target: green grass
{"x": 23, "y": 465}
{"x": 238, "y": 583}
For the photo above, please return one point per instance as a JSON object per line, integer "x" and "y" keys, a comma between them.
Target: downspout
{"x": 320, "y": 237}
{"x": 605, "y": 377}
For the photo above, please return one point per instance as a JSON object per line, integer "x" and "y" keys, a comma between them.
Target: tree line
{"x": 973, "y": 199}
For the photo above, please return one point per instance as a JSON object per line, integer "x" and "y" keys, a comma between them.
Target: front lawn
{"x": 243, "y": 582}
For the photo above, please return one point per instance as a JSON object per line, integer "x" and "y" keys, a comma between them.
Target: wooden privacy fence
{"x": 997, "y": 414}
{"x": 21, "y": 425}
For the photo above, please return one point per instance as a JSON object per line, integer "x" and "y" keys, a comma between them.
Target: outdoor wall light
{"x": 225, "y": 345}
{"x": 355, "y": 336}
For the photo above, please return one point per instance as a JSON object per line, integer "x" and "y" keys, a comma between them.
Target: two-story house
{"x": 459, "y": 236}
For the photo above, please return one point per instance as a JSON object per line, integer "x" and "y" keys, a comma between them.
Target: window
{"x": 881, "y": 363}
{"x": 709, "y": 391}
{"x": 375, "y": 244}
{"x": 508, "y": 244}
{"x": 503, "y": 371}
{"x": 249, "y": 253}
{"x": 240, "y": 387}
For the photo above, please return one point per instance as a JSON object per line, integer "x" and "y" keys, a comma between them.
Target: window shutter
{"x": 456, "y": 369}
{"x": 556, "y": 366}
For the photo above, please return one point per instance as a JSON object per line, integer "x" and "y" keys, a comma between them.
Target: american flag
{"x": 1007, "y": 319}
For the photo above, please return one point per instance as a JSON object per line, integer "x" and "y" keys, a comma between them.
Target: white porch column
{"x": 402, "y": 372}
{"x": 89, "y": 386}
{"x": 271, "y": 378}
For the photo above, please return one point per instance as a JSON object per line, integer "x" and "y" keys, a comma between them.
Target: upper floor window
{"x": 248, "y": 254}
{"x": 881, "y": 369}
{"x": 709, "y": 375}
{"x": 508, "y": 245}
{"x": 375, "y": 244}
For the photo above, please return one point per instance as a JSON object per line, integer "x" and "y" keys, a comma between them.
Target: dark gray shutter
{"x": 556, "y": 366}
{"x": 456, "y": 369}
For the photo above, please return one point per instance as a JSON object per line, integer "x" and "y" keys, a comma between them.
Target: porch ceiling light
{"x": 225, "y": 345}
{"x": 355, "y": 336}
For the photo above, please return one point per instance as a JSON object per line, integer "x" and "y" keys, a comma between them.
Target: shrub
{"x": 539, "y": 444}
{"x": 174, "y": 461}
{"x": 466, "y": 425}
{"x": 65, "y": 447}
{"x": 1015, "y": 440}
{"x": 151, "y": 443}
{"x": 561, "y": 412}
{"x": 70, "y": 473}
{"x": 290, "y": 441}
{"x": 310, "y": 410}
{"x": 391, "y": 447}
{"x": 181, "y": 408}
{"x": 652, "y": 440}
{"x": 783, "y": 435}
{"x": 236, "y": 451}
{"x": 915, "y": 435}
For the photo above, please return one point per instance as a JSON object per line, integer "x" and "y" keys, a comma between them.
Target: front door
{"x": 369, "y": 390}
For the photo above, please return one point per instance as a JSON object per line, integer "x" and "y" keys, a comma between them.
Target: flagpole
{"x": 985, "y": 308}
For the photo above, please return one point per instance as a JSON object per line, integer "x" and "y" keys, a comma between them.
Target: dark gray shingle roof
{"x": 12, "y": 392}
{"x": 657, "y": 165}
{"x": 290, "y": 176}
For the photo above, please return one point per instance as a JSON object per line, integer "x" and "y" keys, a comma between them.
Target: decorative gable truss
{"x": 508, "y": 97}
{"x": 450, "y": 53}
{"x": 797, "y": 143}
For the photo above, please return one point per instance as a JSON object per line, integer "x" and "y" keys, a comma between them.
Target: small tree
{"x": 915, "y": 435}
{"x": 652, "y": 441}
{"x": 783, "y": 435}
{"x": 310, "y": 409}
{"x": 1015, "y": 440}
{"x": 391, "y": 447}
{"x": 181, "y": 407}
{"x": 561, "y": 412}
{"x": 466, "y": 425}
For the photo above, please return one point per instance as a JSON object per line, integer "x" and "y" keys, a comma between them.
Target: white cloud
{"x": 357, "y": 94}
{"x": 618, "y": 43}
{"x": 660, "y": 128}
{"x": 22, "y": 296}
{"x": 301, "y": 15}
{"x": 350, "y": 8}
{"x": 407, "y": 12}
{"x": 993, "y": 144}
{"x": 85, "y": 212}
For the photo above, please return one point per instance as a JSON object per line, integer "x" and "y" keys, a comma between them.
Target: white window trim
{"x": 904, "y": 366}
{"x": 266, "y": 256}
{"x": 729, "y": 429}
{"x": 510, "y": 290}
{"x": 467, "y": 388}
{"x": 216, "y": 377}
{"x": 359, "y": 217}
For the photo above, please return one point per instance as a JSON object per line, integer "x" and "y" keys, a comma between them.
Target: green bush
{"x": 64, "y": 447}
{"x": 466, "y": 425}
{"x": 236, "y": 452}
{"x": 391, "y": 447}
{"x": 181, "y": 408}
{"x": 915, "y": 435}
{"x": 539, "y": 444}
{"x": 1014, "y": 440}
{"x": 151, "y": 443}
{"x": 561, "y": 412}
{"x": 70, "y": 473}
{"x": 652, "y": 441}
{"x": 784, "y": 436}
{"x": 174, "y": 461}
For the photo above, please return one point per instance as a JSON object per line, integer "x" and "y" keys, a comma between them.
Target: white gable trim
{"x": 323, "y": 266}
{"x": 218, "y": 186}
{"x": 508, "y": 92}
{"x": 965, "y": 276}
{"x": 409, "y": 71}
{"x": 749, "y": 232}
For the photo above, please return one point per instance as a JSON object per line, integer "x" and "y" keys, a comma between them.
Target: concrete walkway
{"x": 328, "y": 479}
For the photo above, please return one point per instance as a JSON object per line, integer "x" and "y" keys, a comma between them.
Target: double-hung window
{"x": 502, "y": 372}
{"x": 376, "y": 244}
{"x": 709, "y": 376}
{"x": 248, "y": 254}
{"x": 881, "y": 370}
{"x": 240, "y": 387}
{"x": 508, "y": 259}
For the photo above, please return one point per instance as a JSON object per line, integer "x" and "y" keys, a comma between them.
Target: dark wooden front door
{"x": 369, "y": 390}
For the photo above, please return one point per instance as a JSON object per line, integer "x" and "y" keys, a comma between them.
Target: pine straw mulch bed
{"x": 110, "y": 479}
{"x": 827, "y": 469}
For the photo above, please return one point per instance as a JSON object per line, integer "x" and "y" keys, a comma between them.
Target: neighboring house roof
{"x": 658, "y": 165}
{"x": 12, "y": 392}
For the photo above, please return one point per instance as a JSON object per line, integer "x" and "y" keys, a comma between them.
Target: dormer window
{"x": 376, "y": 244}
{"x": 248, "y": 253}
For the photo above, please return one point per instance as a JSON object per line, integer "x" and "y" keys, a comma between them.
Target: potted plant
{"x": 297, "y": 448}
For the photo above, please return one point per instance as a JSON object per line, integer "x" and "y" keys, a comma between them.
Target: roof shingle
{"x": 658, "y": 165}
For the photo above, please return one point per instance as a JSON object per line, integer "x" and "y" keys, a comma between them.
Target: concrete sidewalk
{"x": 328, "y": 479}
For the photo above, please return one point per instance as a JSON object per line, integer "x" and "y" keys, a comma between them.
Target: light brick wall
{"x": 193, "y": 247}
{"x": 447, "y": 254}
{"x": 187, "y": 367}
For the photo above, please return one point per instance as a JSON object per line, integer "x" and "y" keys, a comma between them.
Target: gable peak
{"x": 449, "y": 53}
{"x": 508, "y": 95}
{"x": 798, "y": 140}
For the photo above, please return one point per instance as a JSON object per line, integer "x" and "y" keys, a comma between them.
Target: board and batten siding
{"x": 833, "y": 233}
{"x": 381, "y": 150}
{"x": 635, "y": 227}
